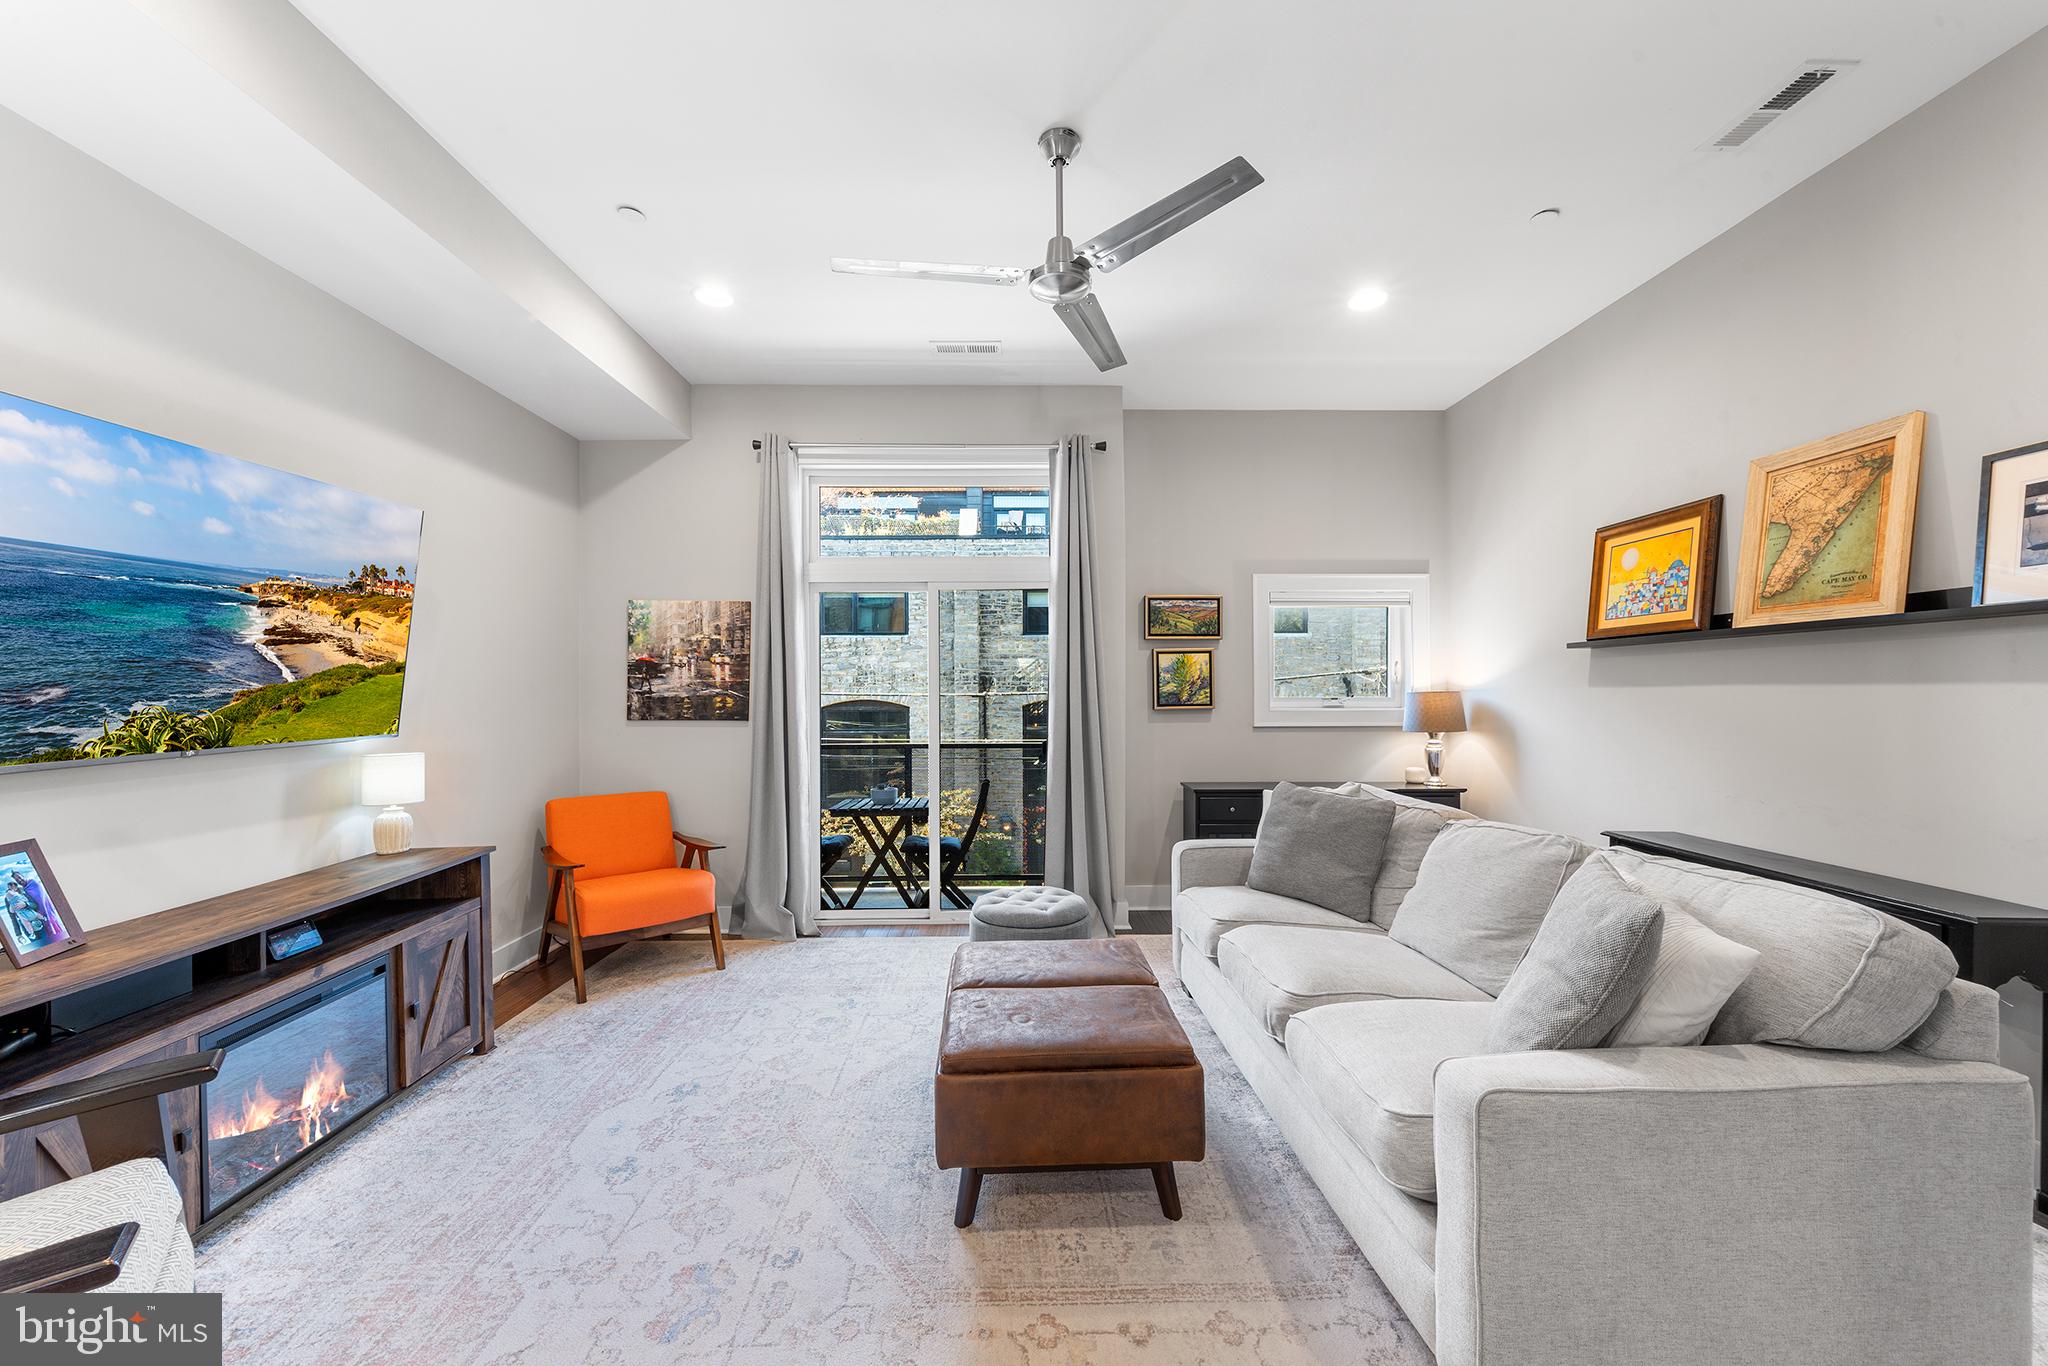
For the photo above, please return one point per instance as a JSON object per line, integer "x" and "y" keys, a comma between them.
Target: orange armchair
{"x": 613, "y": 876}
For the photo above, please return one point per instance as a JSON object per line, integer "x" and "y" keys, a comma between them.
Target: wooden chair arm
{"x": 554, "y": 859}
{"x": 140, "y": 1082}
{"x": 694, "y": 842}
{"x": 71, "y": 1267}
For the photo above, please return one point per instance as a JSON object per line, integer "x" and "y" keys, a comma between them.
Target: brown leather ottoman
{"x": 1063, "y": 1056}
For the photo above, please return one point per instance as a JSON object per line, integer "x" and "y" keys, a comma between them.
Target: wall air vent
{"x": 1809, "y": 78}
{"x": 968, "y": 348}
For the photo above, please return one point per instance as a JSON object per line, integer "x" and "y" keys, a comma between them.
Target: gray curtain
{"x": 774, "y": 899}
{"x": 1079, "y": 852}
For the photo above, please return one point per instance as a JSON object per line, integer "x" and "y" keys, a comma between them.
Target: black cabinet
{"x": 1230, "y": 811}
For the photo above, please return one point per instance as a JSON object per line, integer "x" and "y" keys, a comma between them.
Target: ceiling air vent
{"x": 1809, "y": 78}
{"x": 968, "y": 348}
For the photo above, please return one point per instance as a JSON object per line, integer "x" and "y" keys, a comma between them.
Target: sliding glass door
{"x": 928, "y": 596}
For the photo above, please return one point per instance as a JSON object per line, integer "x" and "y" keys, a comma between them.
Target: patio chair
{"x": 952, "y": 853}
{"x": 832, "y": 850}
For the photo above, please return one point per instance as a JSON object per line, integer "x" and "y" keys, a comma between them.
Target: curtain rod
{"x": 1099, "y": 445}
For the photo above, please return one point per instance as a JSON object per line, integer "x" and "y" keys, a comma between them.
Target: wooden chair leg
{"x": 576, "y": 964}
{"x": 717, "y": 943}
{"x": 547, "y": 941}
{"x": 970, "y": 1196}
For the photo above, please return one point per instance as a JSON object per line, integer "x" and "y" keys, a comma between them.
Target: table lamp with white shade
{"x": 1435, "y": 711}
{"x": 394, "y": 782}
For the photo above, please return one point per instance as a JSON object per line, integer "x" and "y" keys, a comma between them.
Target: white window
{"x": 1337, "y": 649}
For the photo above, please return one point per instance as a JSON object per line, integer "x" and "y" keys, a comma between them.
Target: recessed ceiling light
{"x": 1546, "y": 215}
{"x": 1367, "y": 299}
{"x": 631, "y": 214}
{"x": 713, "y": 296}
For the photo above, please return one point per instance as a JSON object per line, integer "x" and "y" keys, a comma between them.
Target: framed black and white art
{"x": 2012, "y": 527}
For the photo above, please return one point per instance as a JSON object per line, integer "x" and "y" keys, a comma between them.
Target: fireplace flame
{"x": 325, "y": 1091}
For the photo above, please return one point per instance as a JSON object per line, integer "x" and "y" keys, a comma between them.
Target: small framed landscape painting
{"x": 2012, "y": 527}
{"x": 1183, "y": 680}
{"x": 1183, "y": 618}
{"x": 1827, "y": 530}
{"x": 35, "y": 919}
{"x": 1655, "y": 573}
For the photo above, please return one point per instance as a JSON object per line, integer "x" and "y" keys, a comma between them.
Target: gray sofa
{"x": 1748, "y": 1200}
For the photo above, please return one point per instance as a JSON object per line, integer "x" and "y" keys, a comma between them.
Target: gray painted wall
{"x": 1215, "y": 497}
{"x": 1910, "y": 274}
{"x": 115, "y": 304}
{"x": 663, "y": 520}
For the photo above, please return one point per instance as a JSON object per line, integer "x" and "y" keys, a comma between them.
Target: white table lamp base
{"x": 393, "y": 830}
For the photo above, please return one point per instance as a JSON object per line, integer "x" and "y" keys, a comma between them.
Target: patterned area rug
{"x": 736, "y": 1167}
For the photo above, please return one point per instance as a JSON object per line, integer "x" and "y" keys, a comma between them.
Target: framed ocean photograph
{"x": 1183, "y": 617}
{"x": 158, "y": 598}
{"x": 1655, "y": 573}
{"x": 2012, "y": 527}
{"x": 1827, "y": 529}
{"x": 35, "y": 919}
{"x": 1183, "y": 680}
{"x": 688, "y": 659}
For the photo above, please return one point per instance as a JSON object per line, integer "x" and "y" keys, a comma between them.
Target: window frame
{"x": 1408, "y": 656}
{"x": 986, "y": 467}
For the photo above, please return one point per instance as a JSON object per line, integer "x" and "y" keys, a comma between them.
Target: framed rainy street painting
{"x": 2012, "y": 527}
{"x": 1655, "y": 573}
{"x": 1183, "y": 680}
{"x": 1827, "y": 529}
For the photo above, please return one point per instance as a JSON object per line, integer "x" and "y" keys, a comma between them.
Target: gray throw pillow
{"x": 1480, "y": 895}
{"x": 1321, "y": 847}
{"x": 1586, "y": 969}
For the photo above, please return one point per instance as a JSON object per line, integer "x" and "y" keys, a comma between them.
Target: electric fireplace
{"x": 297, "y": 1073}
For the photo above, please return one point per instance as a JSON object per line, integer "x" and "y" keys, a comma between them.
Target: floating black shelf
{"x": 1922, "y": 609}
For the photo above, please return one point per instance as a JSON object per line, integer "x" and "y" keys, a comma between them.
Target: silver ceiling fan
{"x": 1064, "y": 280}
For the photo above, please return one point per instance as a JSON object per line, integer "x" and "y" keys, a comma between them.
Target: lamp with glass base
{"x": 1438, "y": 712}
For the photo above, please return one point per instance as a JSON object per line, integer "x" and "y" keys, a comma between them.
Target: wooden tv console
{"x": 426, "y": 913}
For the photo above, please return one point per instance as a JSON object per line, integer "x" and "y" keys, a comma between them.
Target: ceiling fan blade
{"x": 1148, "y": 228}
{"x": 1084, "y": 318}
{"x": 931, "y": 270}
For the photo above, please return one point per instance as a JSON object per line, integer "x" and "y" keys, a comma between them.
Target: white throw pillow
{"x": 1695, "y": 974}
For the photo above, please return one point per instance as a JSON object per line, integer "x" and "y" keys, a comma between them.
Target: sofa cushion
{"x": 1278, "y": 971}
{"x": 1372, "y": 1066}
{"x": 1695, "y": 974}
{"x": 1205, "y": 914}
{"x": 1416, "y": 824}
{"x": 1321, "y": 847}
{"x": 1481, "y": 894}
{"x": 1584, "y": 970}
{"x": 1832, "y": 973}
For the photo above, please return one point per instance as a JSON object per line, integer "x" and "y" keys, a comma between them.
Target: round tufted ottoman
{"x": 1030, "y": 913}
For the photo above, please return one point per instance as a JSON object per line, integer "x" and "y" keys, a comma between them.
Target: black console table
{"x": 1993, "y": 941}
{"x": 1230, "y": 811}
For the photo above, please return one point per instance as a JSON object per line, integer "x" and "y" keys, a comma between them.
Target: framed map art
{"x": 1827, "y": 530}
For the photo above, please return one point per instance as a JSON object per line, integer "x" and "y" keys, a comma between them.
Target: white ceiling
{"x": 1404, "y": 144}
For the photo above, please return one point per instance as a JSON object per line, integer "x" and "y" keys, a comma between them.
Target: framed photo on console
{"x": 2012, "y": 527}
{"x": 1827, "y": 530}
{"x": 35, "y": 919}
{"x": 1655, "y": 573}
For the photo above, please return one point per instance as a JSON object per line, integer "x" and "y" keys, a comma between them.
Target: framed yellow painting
{"x": 1827, "y": 530}
{"x": 1655, "y": 573}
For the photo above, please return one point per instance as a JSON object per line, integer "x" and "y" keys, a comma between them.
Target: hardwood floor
{"x": 522, "y": 988}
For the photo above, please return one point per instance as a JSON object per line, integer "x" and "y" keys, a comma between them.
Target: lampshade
{"x": 394, "y": 779}
{"x": 1440, "y": 710}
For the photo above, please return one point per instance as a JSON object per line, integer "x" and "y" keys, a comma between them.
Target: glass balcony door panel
{"x": 874, "y": 731}
{"x": 993, "y": 663}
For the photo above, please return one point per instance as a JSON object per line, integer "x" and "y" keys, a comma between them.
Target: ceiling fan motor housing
{"x": 1063, "y": 278}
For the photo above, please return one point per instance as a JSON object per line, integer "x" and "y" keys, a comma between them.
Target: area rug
{"x": 737, "y": 1167}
